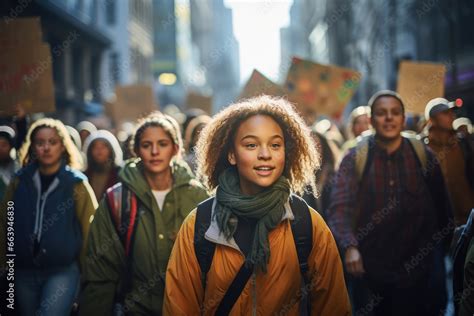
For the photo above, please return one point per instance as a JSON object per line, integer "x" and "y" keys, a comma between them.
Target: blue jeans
{"x": 48, "y": 291}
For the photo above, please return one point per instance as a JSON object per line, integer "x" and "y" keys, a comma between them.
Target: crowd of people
{"x": 256, "y": 210}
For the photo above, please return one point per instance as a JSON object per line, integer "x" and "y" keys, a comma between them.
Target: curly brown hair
{"x": 217, "y": 139}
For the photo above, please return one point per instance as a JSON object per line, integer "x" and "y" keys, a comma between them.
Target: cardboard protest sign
{"x": 196, "y": 100}
{"x": 259, "y": 84}
{"x": 418, "y": 83}
{"x": 25, "y": 68}
{"x": 133, "y": 102}
{"x": 325, "y": 89}
{"x": 20, "y": 31}
{"x": 109, "y": 107}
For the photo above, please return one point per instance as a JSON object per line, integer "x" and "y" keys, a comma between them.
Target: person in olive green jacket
{"x": 166, "y": 192}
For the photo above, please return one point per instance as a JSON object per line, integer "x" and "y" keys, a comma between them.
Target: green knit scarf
{"x": 267, "y": 207}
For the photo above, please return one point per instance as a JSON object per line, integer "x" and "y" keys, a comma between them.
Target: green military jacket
{"x": 154, "y": 238}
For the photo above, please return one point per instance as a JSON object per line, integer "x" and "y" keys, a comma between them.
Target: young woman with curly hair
{"x": 131, "y": 274}
{"x": 255, "y": 154}
{"x": 51, "y": 205}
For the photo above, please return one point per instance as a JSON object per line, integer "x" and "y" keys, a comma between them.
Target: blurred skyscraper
{"x": 374, "y": 36}
{"x": 164, "y": 37}
{"x": 294, "y": 38}
{"x": 213, "y": 35}
{"x": 140, "y": 35}
{"x": 195, "y": 44}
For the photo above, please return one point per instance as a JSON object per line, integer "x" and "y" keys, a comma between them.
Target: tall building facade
{"x": 213, "y": 36}
{"x": 95, "y": 45}
{"x": 374, "y": 36}
{"x": 140, "y": 35}
{"x": 294, "y": 39}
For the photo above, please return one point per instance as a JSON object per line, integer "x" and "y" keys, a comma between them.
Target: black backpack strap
{"x": 203, "y": 248}
{"x": 302, "y": 229}
{"x": 235, "y": 289}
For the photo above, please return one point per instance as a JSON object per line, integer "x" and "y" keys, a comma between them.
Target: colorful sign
{"x": 324, "y": 89}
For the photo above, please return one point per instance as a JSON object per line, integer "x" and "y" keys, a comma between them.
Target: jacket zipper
{"x": 42, "y": 204}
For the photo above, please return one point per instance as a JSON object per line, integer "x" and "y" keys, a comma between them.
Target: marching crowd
{"x": 256, "y": 211}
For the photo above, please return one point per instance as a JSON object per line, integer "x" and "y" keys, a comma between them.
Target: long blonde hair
{"x": 72, "y": 155}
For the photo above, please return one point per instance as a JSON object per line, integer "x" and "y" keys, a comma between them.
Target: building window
{"x": 110, "y": 11}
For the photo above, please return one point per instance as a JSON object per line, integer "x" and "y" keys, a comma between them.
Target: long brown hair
{"x": 157, "y": 119}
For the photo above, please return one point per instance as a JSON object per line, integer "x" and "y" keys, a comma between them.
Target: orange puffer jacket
{"x": 276, "y": 292}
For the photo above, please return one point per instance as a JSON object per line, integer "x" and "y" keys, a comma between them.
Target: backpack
{"x": 301, "y": 228}
{"x": 362, "y": 157}
{"x": 362, "y": 153}
{"x": 123, "y": 210}
{"x": 122, "y": 204}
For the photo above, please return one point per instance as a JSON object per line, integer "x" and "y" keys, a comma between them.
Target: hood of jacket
{"x": 132, "y": 176}
{"x": 109, "y": 138}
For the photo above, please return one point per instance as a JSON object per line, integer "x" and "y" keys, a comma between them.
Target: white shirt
{"x": 160, "y": 197}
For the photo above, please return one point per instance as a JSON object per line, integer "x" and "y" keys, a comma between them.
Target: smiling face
{"x": 48, "y": 147}
{"x": 388, "y": 118}
{"x": 156, "y": 149}
{"x": 258, "y": 153}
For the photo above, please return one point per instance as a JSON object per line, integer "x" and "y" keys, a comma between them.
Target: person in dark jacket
{"x": 455, "y": 154}
{"x": 463, "y": 269}
{"x": 50, "y": 205}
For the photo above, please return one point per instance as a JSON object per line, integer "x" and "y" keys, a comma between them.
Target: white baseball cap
{"x": 438, "y": 105}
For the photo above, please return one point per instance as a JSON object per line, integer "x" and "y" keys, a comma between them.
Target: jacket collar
{"x": 29, "y": 171}
{"x": 213, "y": 234}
